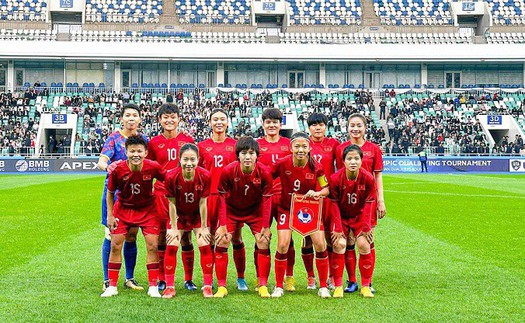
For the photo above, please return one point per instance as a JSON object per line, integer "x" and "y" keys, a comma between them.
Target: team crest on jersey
{"x": 284, "y": 148}
{"x": 287, "y": 172}
{"x": 305, "y": 215}
{"x": 264, "y": 148}
{"x": 229, "y": 148}
{"x": 367, "y": 153}
{"x": 360, "y": 187}
{"x": 309, "y": 176}
{"x": 161, "y": 146}
{"x": 257, "y": 181}
{"x": 236, "y": 179}
{"x": 209, "y": 148}
{"x": 146, "y": 177}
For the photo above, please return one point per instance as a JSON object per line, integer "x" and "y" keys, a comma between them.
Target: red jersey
{"x": 352, "y": 196}
{"x": 135, "y": 189}
{"x": 270, "y": 153}
{"x": 188, "y": 194}
{"x": 324, "y": 153}
{"x": 214, "y": 156}
{"x": 166, "y": 152}
{"x": 372, "y": 156}
{"x": 245, "y": 192}
{"x": 297, "y": 179}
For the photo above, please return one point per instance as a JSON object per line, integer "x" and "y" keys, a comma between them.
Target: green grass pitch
{"x": 450, "y": 249}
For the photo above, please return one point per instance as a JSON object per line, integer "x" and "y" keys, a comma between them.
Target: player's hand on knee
{"x": 369, "y": 236}
{"x": 336, "y": 237}
{"x": 264, "y": 236}
{"x": 222, "y": 234}
{"x": 173, "y": 236}
{"x": 205, "y": 235}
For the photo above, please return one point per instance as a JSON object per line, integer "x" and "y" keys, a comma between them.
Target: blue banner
{"x": 450, "y": 164}
{"x": 59, "y": 118}
{"x": 66, "y": 3}
{"x": 494, "y": 120}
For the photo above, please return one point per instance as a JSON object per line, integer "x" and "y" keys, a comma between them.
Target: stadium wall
{"x": 398, "y": 164}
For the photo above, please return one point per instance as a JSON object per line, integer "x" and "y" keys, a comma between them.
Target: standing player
{"x": 114, "y": 150}
{"x": 164, "y": 149}
{"x": 301, "y": 175}
{"x": 244, "y": 198}
{"x": 373, "y": 163}
{"x": 187, "y": 189}
{"x": 323, "y": 152}
{"x": 274, "y": 147}
{"x": 215, "y": 154}
{"x": 135, "y": 207}
{"x": 353, "y": 191}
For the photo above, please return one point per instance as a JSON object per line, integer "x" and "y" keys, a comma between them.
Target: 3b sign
{"x": 269, "y": 6}
{"x": 66, "y": 3}
{"x": 59, "y": 118}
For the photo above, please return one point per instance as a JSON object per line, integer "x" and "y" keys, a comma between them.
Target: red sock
{"x": 188, "y": 259}
{"x": 350, "y": 262}
{"x": 113, "y": 271}
{"x": 239, "y": 257}
{"x": 256, "y": 259}
{"x": 161, "y": 252}
{"x": 308, "y": 260}
{"x": 291, "y": 260}
{"x": 330, "y": 251}
{"x": 321, "y": 262}
{"x": 170, "y": 264}
{"x": 280, "y": 268}
{"x": 206, "y": 265}
{"x": 337, "y": 266}
{"x": 373, "y": 253}
{"x": 264, "y": 261}
{"x": 221, "y": 265}
{"x": 366, "y": 268}
{"x": 153, "y": 273}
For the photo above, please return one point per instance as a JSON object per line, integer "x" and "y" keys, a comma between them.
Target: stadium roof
{"x": 262, "y": 52}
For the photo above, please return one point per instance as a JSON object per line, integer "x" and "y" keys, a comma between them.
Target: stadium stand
{"x": 505, "y": 38}
{"x": 29, "y": 10}
{"x": 123, "y": 11}
{"x": 213, "y": 12}
{"x": 375, "y": 38}
{"x": 507, "y": 12}
{"x": 413, "y": 12}
{"x": 312, "y": 12}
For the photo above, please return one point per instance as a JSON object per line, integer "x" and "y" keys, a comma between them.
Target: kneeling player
{"x": 135, "y": 207}
{"x": 352, "y": 190}
{"x": 244, "y": 198}
{"x": 188, "y": 188}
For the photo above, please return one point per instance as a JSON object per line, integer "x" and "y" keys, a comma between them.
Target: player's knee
{"x": 263, "y": 245}
{"x": 224, "y": 244}
{"x": 201, "y": 242}
{"x": 363, "y": 246}
{"x": 282, "y": 247}
{"x": 116, "y": 246}
{"x": 340, "y": 246}
{"x": 307, "y": 242}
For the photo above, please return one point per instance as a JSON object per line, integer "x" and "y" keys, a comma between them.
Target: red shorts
{"x": 327, "y": 215}
{"x": 145, "y": 218}
{"x": 254, "y": 221}
{"x": 163, "y": 205}
{"x": 357, "y": 225}
{"x": 276, "y": 200}
{"x": 283, "y": 220}
{"x": 213, "y": 212}
{"x": 187, "y": 223}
